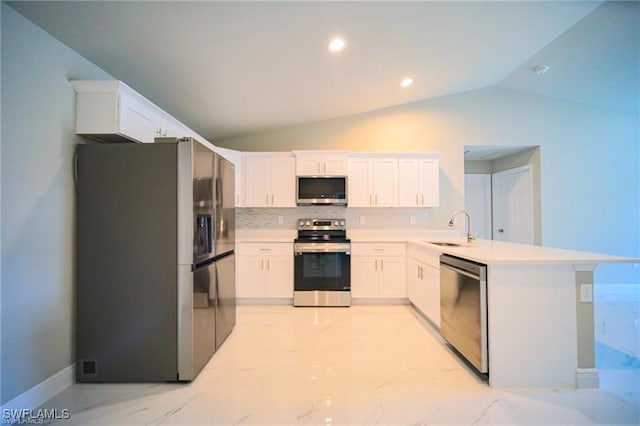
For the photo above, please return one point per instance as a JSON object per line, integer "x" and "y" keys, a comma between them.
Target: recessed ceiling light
{"x": 337, "y": 44}
{"x": 406, "y": 82}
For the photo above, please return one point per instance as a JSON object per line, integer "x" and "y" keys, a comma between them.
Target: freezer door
{"x": 204, "y": 315}
{"x": 226, "y": 302}
{"x": 225, "y": 234}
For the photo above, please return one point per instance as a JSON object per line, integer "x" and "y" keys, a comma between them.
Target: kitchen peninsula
{"x": 540, "y": 311}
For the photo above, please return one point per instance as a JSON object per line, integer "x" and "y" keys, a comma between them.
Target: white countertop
{"x": 482, "y": 251}
{"x": 265, "y": 235}
{"x": 497, "y": 252}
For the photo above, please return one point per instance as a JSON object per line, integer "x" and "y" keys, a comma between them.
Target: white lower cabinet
{"x": 423, "y": 283}
{"x": 378, "y": 270}
{"x": 265, "y": 270}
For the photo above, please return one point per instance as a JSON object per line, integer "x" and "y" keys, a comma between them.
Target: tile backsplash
{"x": 357, "y": 218}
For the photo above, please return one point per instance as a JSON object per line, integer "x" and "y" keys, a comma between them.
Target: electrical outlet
{"x": 412, "y": 220}
{"x": 363, "y": 220}
{"x": 586, "y": 293}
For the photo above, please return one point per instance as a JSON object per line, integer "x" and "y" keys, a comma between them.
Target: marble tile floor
{"x": 617, "y": 334}
{"x": 336, "y": 366}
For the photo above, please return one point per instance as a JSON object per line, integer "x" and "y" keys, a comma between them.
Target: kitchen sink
{"x": 449, "y": 244}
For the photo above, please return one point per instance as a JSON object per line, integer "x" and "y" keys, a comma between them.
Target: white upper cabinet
{"x": 236, "y": 158}
{"x": 111, "y": 111}
{"x": 321, "y": 163}
{"x": 269, "y": 180}
{"x": 373, "y": 182}
{"x": 418, "y": 182}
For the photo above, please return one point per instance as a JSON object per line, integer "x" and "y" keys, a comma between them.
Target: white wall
{"x": 38, "y": 204}
{"x": 588, "y": 158}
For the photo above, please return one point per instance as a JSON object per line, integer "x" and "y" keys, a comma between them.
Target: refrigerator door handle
{"x": 75, "y": 167}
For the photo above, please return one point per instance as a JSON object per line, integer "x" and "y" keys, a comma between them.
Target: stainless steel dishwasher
{"x": 463, "y": 308}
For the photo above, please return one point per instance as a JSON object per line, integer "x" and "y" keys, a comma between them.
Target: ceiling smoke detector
{"x": 541, "y": 69}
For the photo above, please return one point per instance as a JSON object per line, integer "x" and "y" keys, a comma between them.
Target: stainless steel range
{"x": 322, "y": 263}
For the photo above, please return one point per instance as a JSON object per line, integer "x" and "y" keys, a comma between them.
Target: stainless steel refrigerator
{"x": 155, "y": 273}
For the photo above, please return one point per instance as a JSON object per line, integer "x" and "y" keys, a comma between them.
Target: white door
{"x": 477, "y": 202}
{"x": 251, "y": 276}
{"x": 335, "y": 165}
{"x": 430, "y": 183}
{"x": 279, "y": 276}
{"x": 409, "y": 188}
{"x": 385, "y": 183}
{"x": 359, "y": 193}
{"x": 257, "y": 181}
{"x": 283, "y": 182}
{"x": 364, "y": 276}
{"x": 392, "y": 277}
{"x": 513, "y": 205}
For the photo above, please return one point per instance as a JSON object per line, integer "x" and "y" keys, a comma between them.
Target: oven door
{"x": 322, "y": 267}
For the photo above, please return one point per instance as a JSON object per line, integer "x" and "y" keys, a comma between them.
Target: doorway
{"x": 502, "y": 193}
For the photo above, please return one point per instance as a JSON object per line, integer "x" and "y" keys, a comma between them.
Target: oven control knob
{"x": 335, "y": 223}
{"x": 307, "y": 223}
{"x": 342, "y": 223}
{"x": 302, "y": 223}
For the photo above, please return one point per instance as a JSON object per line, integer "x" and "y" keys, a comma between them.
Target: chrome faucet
{"x": 468, "y": 223}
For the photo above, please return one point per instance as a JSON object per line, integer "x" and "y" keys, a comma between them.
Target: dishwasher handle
{"x": 460, "y": 271}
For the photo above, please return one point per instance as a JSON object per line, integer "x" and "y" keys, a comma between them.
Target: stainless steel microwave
{"x": 321, "y": 190}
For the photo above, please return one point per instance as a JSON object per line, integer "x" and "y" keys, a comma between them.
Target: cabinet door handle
{"x": 376, "y": 266}
{"x": 268, "y": 267}
{"x": 318, "y": 167}
{"x": 417, "y": 202}
{"x": 324, "y": 168}
{"x": 271, "y": 199}
{"x": 422, "y": 197}
{"x": 382, "y": 264}
{"x": 267, "y": 199}
{"x": 262, "y": 264}
{"x": 501, "y": 230}
{"x": 370, "y": 199}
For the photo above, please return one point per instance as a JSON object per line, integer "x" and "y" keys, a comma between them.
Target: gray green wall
{"x": 589, "y": 168}
{"x": 38, "y": 119}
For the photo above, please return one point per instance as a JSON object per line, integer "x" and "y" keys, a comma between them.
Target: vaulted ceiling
{"x": 229, "y": 68}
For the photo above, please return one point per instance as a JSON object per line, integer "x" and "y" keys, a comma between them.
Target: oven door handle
{"x": 301, "y": 248}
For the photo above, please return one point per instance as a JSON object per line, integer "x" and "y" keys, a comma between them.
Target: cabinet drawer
{"x": 425, "y": 256}
{"x": 265, "y": 249}
{"x": 378, "y": 249}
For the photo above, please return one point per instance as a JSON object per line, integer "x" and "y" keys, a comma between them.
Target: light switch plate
{"x": 363, "y": 220}
{"x": 280, "y": 220}
{"x": 586, "y": 293}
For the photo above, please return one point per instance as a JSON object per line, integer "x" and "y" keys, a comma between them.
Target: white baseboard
{"x": 379, "y": 301}
{"x": 587, "y": 378}
{"x": 43, "y": 391}
{"x": 264, "y": 301}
